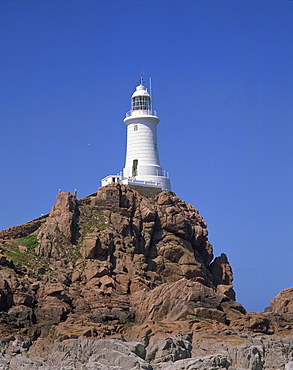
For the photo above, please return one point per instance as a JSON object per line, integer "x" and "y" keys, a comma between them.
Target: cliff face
{"x": 139, "y": 242}
{"x": 119, "y": 264}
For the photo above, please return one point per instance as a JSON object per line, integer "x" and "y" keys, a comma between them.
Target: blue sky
{"x": 222, "y": 85}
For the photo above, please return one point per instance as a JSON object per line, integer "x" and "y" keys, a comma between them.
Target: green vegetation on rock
{"x": 23, "y": 252}
{"x": 91, "y": 219}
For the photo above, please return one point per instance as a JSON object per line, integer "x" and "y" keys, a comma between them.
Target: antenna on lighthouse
{"x": 141, "y": 81}
{"x": 151, "y": 94}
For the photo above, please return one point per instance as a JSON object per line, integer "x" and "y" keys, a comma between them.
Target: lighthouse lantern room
{"x": 142, "y": 164}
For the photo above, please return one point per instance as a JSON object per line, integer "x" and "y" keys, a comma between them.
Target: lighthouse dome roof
{"x": 140, "y": 91}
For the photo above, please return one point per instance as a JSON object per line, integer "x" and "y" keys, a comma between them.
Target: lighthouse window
{"x": 135, "y": 128}
{"x": 141, "y": 102}
{"x": 148, "y": 104}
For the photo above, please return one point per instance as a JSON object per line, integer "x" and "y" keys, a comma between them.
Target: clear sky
{"x": 223, "y": 88}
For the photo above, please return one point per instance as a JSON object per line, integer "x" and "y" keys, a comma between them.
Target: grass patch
{"x": 91, "y": 219}
{"x": 30, "y": 241}
{"x": 28, "y": 258}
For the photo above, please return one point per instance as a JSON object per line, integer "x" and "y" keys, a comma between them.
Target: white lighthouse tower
{"x": 142, "y": 164}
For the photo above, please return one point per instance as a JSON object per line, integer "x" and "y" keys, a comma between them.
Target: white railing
{"x": 137, "y": 182}
{"x": 141, "y": 112}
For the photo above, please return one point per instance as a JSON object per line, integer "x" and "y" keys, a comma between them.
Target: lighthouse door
{"x": 134, "y": 167}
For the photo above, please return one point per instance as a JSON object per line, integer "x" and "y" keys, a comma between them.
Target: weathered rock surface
{"x": 282, "y": 304}
{"x": 121, "y": 280}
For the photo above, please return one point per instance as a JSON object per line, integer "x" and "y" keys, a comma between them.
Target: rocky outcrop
{"x": 58, "y": 234}
{"x": 127, "y": 280}
{"x": 181, "y": 300}
{"x": 173, "y": 352}
{"x": 20, "y": 231}
{"x": 282, "y": 304}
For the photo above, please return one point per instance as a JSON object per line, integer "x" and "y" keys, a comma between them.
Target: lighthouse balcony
{"x": 162, "y": 182}
{"x": 141, "y": 112}
{"x": 156, "y": 182}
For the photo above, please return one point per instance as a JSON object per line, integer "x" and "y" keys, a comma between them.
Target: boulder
{"x": 283, "y": 302}
{"x": 212, "y": 362}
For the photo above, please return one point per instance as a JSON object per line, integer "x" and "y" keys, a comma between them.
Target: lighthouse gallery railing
{"x": 141, "y": 112}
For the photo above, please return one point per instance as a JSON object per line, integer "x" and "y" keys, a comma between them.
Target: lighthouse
{"x": 142, "y": 164}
